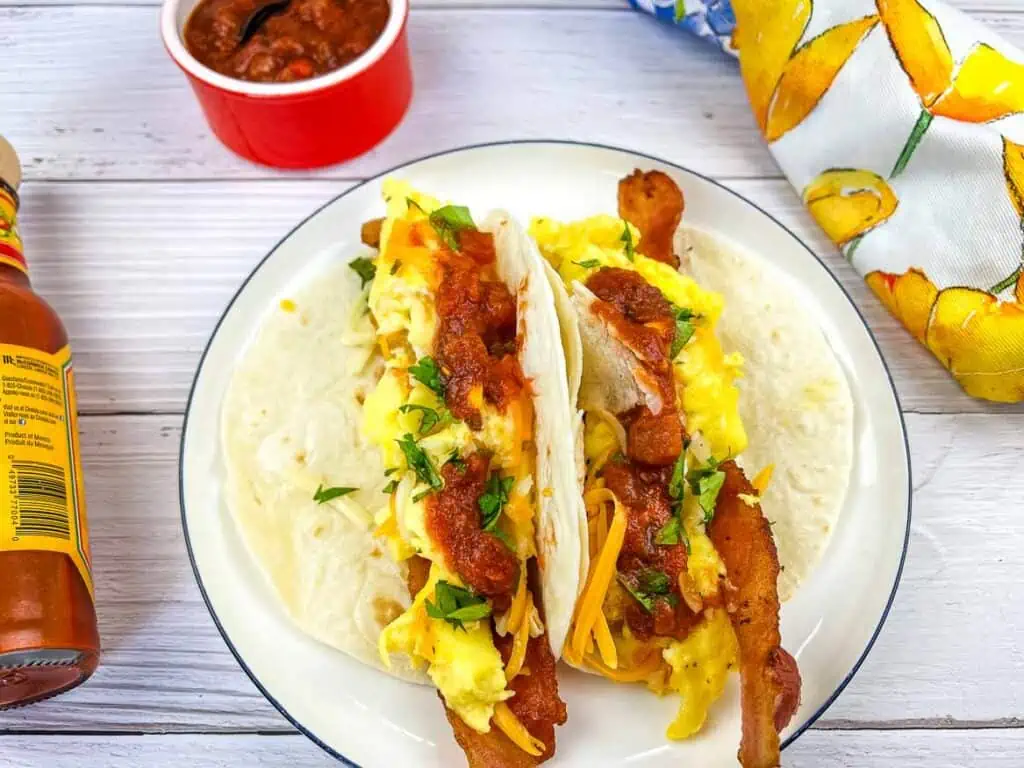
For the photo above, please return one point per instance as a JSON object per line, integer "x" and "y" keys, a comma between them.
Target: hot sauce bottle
{"x": 48, "y": 637}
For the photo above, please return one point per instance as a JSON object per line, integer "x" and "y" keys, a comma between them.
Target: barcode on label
{"x": 42, "y": 497}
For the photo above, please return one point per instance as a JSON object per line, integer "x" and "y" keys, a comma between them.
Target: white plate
{"x": 363, "y": 717}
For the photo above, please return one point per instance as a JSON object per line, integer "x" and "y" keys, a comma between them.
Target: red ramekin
{"x": 308, "y": 123}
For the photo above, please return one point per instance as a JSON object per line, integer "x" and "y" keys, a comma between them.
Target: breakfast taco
{"x": 683, "y": 577}
{"x": 399, "y": 451}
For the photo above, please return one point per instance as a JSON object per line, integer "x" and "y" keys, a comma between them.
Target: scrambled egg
{"x": 463, "y": 663}
{"x": 700, "y": 666}
{"x": 705, "y": 372}
{"x": 402, "y": 293}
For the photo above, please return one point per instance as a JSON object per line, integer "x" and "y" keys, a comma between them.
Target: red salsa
{"x": 476, "y": 338}
{"x": 475, "y": 346}
{"x": 453, "y": 521}
{"x": 308, "y": 38}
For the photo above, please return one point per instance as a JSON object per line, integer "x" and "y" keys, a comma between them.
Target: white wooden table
{"x": 139, "y": 227}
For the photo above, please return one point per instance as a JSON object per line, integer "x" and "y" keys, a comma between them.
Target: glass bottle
{"x": 48, "y": 637}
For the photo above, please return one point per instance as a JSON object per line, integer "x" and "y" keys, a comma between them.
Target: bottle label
{"x": 11, "y": 251}
{"x": 42, "y": 501}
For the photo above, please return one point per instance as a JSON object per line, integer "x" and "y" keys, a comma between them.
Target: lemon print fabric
{"x": 900, "y": 123}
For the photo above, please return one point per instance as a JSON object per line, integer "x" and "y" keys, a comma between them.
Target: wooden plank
{"x": 140, "y": 272}
{"x": 815, "y": 749}
{"x": 945, "y": 657}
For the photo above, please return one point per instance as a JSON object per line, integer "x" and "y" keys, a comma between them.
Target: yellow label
{"x": 42, "y": 501}
{"x": 11, "y": 252}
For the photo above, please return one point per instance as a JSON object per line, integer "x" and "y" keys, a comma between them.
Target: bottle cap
{"x": 10, "y": 166}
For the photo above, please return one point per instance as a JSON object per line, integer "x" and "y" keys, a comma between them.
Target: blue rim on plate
{"x": 565, "y": 142}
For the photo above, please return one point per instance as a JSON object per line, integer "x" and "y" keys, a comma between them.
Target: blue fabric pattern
{"x": 712, "y": 20}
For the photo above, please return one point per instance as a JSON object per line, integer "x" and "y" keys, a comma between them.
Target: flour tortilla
{"x": 561, "y": 515}
{"x": 795, "y": 400}
{"x": 291, "y": 422}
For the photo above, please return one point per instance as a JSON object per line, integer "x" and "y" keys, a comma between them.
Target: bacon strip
{"x": 652, "y": 203}
{"x": 488, "y": 750}
{"x": 537, "y": 705}
{"x": 536, "y": 702}
{"x": 769, "y": 679}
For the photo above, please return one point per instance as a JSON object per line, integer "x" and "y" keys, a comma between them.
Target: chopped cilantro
{"x": 588, "y": 263}
{"x": 396, "y": 266}
{"x": 365, "y": 268}
{"x": 706, "y": 482}
{"x": 390, "y": 471}
{"x": 420, "y": 463}
{"x": 429, "y": 418}
{"x": 627, "y": 238}
{"x": 428, "y": 373}
{"x": 448, "y": 221}
{"x": 323, "y": 495}
{"x": 673, "y": 534}
{"x": 655, "y": 582}
{"x": 391, "y": 487}
{"x": 494, "y": 499}
{"x": 684, "y": 330}
{"x": 676, "y": 484}
{"x": 456, "y": 461}
{"x": 410, "y": 203}
{"x": 669, "y": 533}
{"x": 648, "y": 586}
{"x": 457, "y": 605}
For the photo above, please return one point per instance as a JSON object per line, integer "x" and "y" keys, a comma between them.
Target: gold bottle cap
{"x": 10, "y": 166}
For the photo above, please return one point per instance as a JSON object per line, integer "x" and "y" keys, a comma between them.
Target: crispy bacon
{"x": 769, "y": 679}
{"x": 652, "y": 203}
{"x": 417, "y": 575}
{"x": 370, "y": 232}
{"x": 536, "y": 703}
{"x": 488, "y": 750}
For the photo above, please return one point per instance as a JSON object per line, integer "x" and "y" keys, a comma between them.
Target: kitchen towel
{"x": 900, "y": 123}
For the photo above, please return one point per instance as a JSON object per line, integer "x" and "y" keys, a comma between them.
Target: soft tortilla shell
{"x": 543, "y": 361}
{"x": 291, "y": 421}
{"x": 795, "y": 400}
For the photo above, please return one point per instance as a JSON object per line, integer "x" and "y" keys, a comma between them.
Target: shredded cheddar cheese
{"x": 605, "y": 642}
{"x": 636, "y": 674}
{"x": 602, "y": 571}
{"x": 517, "y": 612}
{"x": 509, "y": 724}
{"x": 762, "y": 479}
{"x": 519, "y": 643}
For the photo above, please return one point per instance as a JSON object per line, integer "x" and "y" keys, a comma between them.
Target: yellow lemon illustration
{"x": 981, "y": 340}
{"x": 985, "y": 87}
{"x": 909, "y": 297}
{"x": 848, "y": 202}
{"x": 785, "y": 83}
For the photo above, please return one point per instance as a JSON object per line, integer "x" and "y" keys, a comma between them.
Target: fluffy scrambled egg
{"x": 704, "y": 371}
{"x": 700, "y": 666}
{"x": 464, "y": 664}
{"x": 402, "y": 293}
